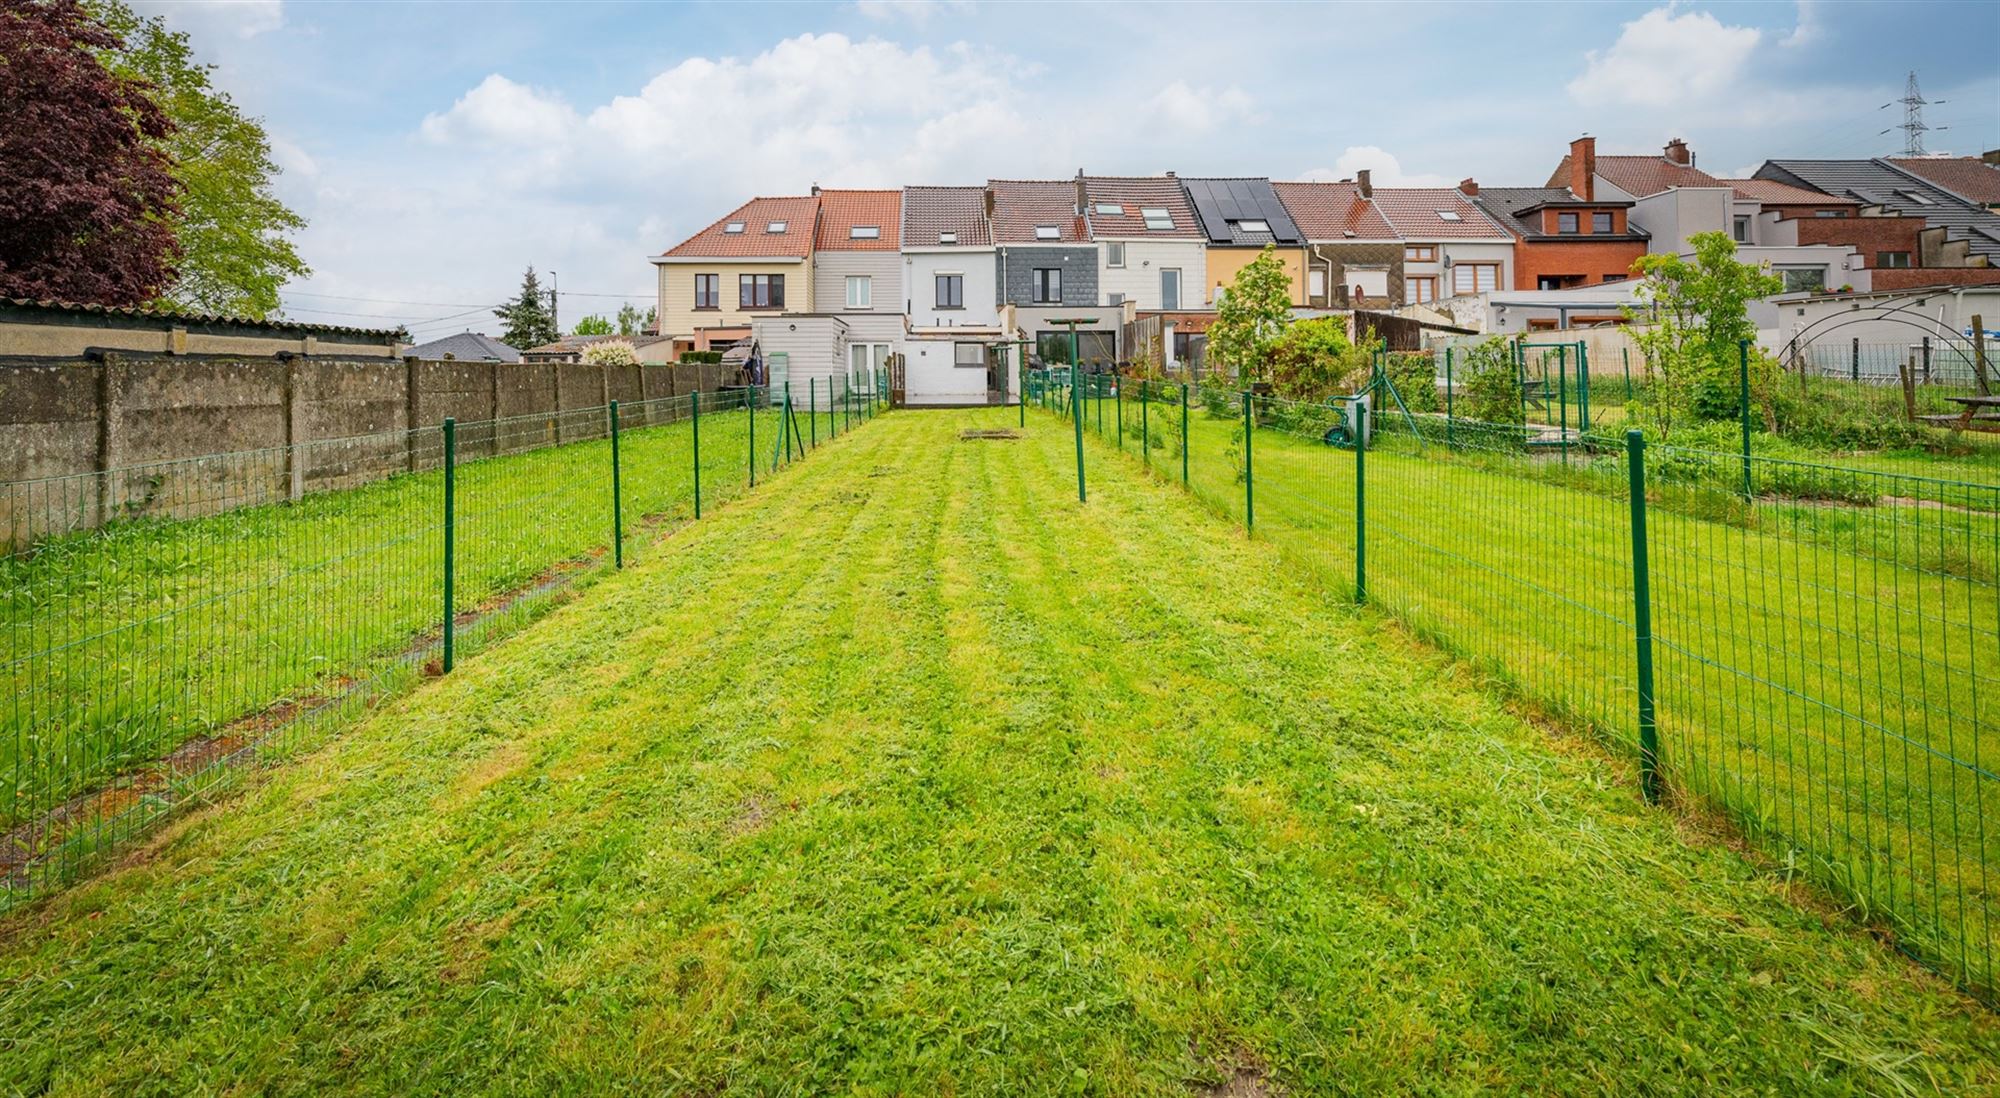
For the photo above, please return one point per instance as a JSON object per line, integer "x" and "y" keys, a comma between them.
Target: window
{"x": 1047, "y": 232}
{"x": 1170, "y": 288}
{"x": 1802, "y": 278}
{"x": 1600, "y": 222}
{"x": 1109, "y": 209}
{"x": 1420, "y": 289}
{"x": 1918, "y": 197}
{"x": 1740, "y": 229}
{"x": 1253, "y": 226}
{"x": 1114, "y": 255}
{"x": 865, "y": 232}
{"x": 1157, "y": 217}
{"x": 1114, "y": 299}
{"x": 1566, "y": 222}
{"x": 1449, "y": 215}
{"x": 860, "y": 292}
{"x": 1828, "y": 213}
{"x": 708, "y": 291}
{"x": 1475, "y": 278}
{"x": 733, "y": 227}
{"x": 1420, "y": 253}
{"x": 1316, "y": 283}
{"x": 947, "y": 238}
{"x": 776, "y": 227}
{"x": 968, "y": 356}
{"x": 1048, "y": 285}
{"x": 951, "y": 291}
{"x": 1892, "y": 259}
{"x": 760, "y": 291}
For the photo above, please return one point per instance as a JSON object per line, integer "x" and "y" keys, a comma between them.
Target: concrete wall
{"x": 41, "y": 332}
{"x": 129, "y": 436}
{"x": 1139, "y": 278}
{"x": 982, "y": 296}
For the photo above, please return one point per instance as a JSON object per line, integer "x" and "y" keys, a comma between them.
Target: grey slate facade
{"x": 1015, "y": 267}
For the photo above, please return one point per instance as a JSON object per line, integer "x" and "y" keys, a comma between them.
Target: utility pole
{"x": 555, "y": 317}
{"x": 1913, "y": 127}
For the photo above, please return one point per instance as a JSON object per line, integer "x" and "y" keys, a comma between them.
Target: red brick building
{"x": 1565, "y": 235}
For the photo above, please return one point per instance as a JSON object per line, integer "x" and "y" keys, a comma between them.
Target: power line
{"x": 383, "y": 300}
{"x": 1913, "y": 127}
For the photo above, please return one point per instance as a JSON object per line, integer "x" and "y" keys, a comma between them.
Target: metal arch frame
{"x": 1901, "y": 313}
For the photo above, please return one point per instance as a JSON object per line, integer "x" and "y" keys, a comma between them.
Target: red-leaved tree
{"x": 85, "y": 193}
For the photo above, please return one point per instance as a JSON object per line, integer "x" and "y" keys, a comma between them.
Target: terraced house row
{"x": 942, "y": 288}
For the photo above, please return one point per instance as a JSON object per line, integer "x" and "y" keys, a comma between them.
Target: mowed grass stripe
{"x": 909, "y": 774}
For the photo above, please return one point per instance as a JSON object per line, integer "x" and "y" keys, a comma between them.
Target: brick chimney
{"x": 989, "y": 203}
{"x": 1583, "y": 167}
{"x": 1468, "y": 187}
{"x": 1361, "y": 180}
{"x": 1677, "y": 153}
{"x": 1082, "y": 201}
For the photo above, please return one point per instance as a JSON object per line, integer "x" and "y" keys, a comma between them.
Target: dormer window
{"x": 865, "y": 232}
{"x": 1449, "y": 215}
{"x": 1109, "y": 209}
{"x": 733, "y": 227}
{"x": 776, "y": 228}
{"x": 1157, "y": 217}
{"x": 1566, "y": 222}
{"x": 947, "y": 238}
{"x": 1047, "y": 232}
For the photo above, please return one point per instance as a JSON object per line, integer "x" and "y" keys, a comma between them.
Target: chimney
{"x": 1082, "y": 202}
{"x": 1583, "y": 167}
{"x": 1468, "y": 187}
{"x": 1677, "y": 153}
{"x": 815, "y": 190}
{"x": 989, "y": 203}
{"x": 1361, "y": 180}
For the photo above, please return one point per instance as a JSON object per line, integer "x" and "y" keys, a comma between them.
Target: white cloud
{"x": 1807, "y": 30}
{"x": 293, "y": 160}
{"x": 202, "y": 18}
{"x": 1384, "y": 170}
{"x": 1193, "y": 110}
{"x": 1663, "y": 58}
{"x": 501, "y": 111}
{"x": 916, "y": 11}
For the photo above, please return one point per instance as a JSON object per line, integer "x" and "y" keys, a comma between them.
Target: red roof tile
{"x": 1019, "y": 205}
{"x": 841, "y": 211}
{"x": 1640, "y": 176}
{"x": 1773, "y": 193}
{"x": 1331, "y": 211}
{"x": 1965, "y": 176}
{"x": 1418, "y": 213}
{"x": 798, "y": 214}
{"x": 1133, "y": 194}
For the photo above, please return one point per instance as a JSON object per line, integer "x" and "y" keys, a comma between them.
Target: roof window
{"x": 1157, "y": 217}
{"x": 1047, "y": 232}
{"x": 1110, "y": 209}
{"x": 947, "y": 238}
{"x": 1449, "y": 215}
{"x": 776, "y": 227}
{"x": 733, "y": 227}
{"x": 1253, "y": 226}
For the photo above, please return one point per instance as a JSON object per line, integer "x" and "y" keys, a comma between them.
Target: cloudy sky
{"x": 438, "y": 149}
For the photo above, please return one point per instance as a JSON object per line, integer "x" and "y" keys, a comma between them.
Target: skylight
{"x": 733, "y": 227}
{"x": 947, "y": 238}
{"x": 1253, "y": 226}
{"x": 1449, "y": 215}
{"x": 1918, "y": 197}
{"x": 775, "y": 227}
{"x": 1047, "y": 232}
{"x": 1110, "y": 208}
{"x": 1157, "y": 217}
{"x": 865, "y": 232}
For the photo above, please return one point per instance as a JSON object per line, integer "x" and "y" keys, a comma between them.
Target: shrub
{"x": 705, "y": 358}
{"x": 1492, "y": 383}
{"x": 611, "y": 352}
{"x": 1415, "y": 376}
{"x": 1314, "y": 360}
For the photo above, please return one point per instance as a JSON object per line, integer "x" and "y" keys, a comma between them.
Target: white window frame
{"x": 1114, "y": 253}
{"x": 1038, "y": 285}
{"x": 956, "y": 348}
{"x": 1157, "y": 218}
{"x": 936, "y": 276}
{"x": 1316, "y": 282}
{"x": 947, "y": 237}
{"x": 1048, "y": 232}
{"x": 777, "y": 228}
{"x": 1253, "y": 225}
{"x": 733, "y": 227}
{"x": 1473, "y": 269}
{"x": 866, "y": 298}
{"x": 1179, "y": 282}
{"x": 864, "y": 232}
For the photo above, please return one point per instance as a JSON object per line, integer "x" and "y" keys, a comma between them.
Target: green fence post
{"x": 694, "y": 417}
{"x": 1249, "y": 475}
{"x": 1449, "y": 387}
{"x": 1626, "y": 354}
{"x": 1642, "y": 620}
{"x": 1583, "y": 384}
{"x": 450, "y": 534}
{"x": 1145, "y": 424}
{"x": 1562, "y": 399}
{"x": 750, "y": 405}
{"x": 1118, "y": 397}
{"x": 1077, "y": 421}
{"x": 1186, "y": 442}
{"x": 617, "y": 497}
{"x": 1020, "y": 382}
{"x": 785, "y": 423}
{"x": 812, "y": 409}
{"x": 1360, "y": 433}
{"x": 1743, "y": 402}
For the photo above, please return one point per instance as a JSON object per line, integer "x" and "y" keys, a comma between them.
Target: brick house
{"x": 1565, "y": 237}
{"x": 1451, "y": 246}
{"x": 1348, "y": 243}
{"x": 1941, "y": 237}
{"x": 754, "y": 261}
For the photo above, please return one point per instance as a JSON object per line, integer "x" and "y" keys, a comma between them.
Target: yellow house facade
{"x": 756, "y": 261}
{"x": 1224, "y": 263}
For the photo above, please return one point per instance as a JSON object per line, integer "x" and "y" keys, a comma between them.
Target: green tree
{"x": 594, "y": 326}
{"x": 1314, "y": 360}
{"x": 527, "y": 319}
{"x": 632, "y": 322}
{"x": 234, "y": 233}
{"x": 1693, "y": 315}
{"x": 1252, "y": 314}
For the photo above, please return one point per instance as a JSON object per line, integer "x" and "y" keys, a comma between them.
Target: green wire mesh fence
{"x": 168, "y": 624}
{"x": 1817, "y": 657}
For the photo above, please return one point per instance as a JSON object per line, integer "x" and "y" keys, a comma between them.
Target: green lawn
{"x": 126, "y": 643}
{"x": 1826, "y": 674}
{"x": 909, "y": 774}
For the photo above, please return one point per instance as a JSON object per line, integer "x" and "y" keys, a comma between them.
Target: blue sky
{"x": 437, "y": 149}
